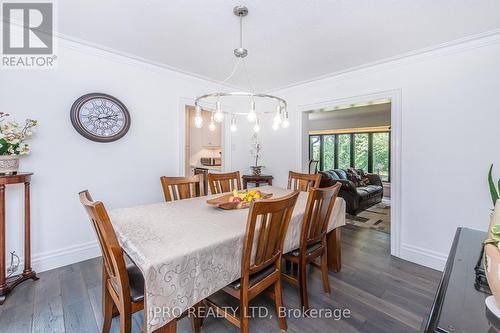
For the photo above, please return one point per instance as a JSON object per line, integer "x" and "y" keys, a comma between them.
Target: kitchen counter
{"x": 208, "y": 167}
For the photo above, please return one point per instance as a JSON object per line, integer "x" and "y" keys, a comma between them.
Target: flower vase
{"x": 256, "y": 170}
{"x": 9, "y": 164}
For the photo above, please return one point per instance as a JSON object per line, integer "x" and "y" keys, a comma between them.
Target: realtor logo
{"x": 27, "y": 31}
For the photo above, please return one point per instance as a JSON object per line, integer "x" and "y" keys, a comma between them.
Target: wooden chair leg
{"x": 125, "y": 320}
{"x": 278, "y": 301}
{"x": 107, "y": 308}
{"x": 324, "y": 273}
{"x": 303, "y": 288}
{"x": 244, "y": 314}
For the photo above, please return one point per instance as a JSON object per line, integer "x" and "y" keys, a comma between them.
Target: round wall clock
{"x": 100, "y": 117}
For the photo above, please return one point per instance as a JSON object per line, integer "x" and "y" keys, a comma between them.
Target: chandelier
{"x": 279, "y": 114}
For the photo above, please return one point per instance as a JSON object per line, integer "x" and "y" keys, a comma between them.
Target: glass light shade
{"x": 277, "y": 116}
{"x": 256, "y": 127}
{"x": 252, "y": 115}
{"x": 285, "y": 123}
{"x": 198, "y": 121}
{"x": 276, "y": 126}
{"x": 234, "y": 128}
{"x": 218, "y": 116}
{"x": 211, "y": 126}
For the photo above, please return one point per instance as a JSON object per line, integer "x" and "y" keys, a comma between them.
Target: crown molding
{"x": 101, "y": 51}
{"x": 455, "y": 46}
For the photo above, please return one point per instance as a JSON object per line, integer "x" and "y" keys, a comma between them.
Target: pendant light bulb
{"x": 276, "y": 126}
{"x": 219, "y": 116}
{"x": 211, "y": 126}
{"x": 198, "y": 119}
{"x": 234, "y": 128}
{"x": 285, "y": 123}
{"x": 252, "y": 115}
{"x": 277, "y": 116}
{"x": 256, "y": 127}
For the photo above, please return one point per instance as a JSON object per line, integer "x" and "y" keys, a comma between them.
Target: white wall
{"x": 450, "y": 117}
{"x": 122, "y": 173}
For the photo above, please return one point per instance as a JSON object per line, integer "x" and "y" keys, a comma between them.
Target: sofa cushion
{"x": 341, "y": 174}
{"x": 355, "y": 177}
{"x": 328, "y": 178}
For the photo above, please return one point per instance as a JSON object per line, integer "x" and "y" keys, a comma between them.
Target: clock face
{"x": 100, "y": 117}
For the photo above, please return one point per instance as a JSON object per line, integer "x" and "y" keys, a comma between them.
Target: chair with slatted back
{"x": 224, "y": 182}
{"x": 267, "y": 225}
{"x": 123, "y": 284}
{"x": 317, "y": 215}
{"x": 313, "y": 166}
{"x": 303, "y": 181}
{"x": 178, "y": 188}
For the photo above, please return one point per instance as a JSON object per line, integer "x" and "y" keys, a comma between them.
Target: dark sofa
{"x": 357, "y": 198}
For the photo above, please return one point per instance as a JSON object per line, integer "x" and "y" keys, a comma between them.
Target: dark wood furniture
{"x": 224, "y": 182}
{"x": 313, "y": 243}
{"x": 178, "y": 188}
{"x": 265, "y": 270}
{"x": 458, "y": 306}
{"x": 7, "y": 284}
{"x": 257, "y": 180}
{"x": 303, "y": 181}
{"x": 123, "y": 284}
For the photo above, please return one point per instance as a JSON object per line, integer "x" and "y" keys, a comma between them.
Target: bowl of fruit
{"x": 238, "y": 199}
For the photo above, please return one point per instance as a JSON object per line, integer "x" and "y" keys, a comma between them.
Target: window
{"x": 368, "y": 151}
{"x": 329, "y": 152}
{"x": 381, "y": 155}
{"x": 314, "y": 147}
{"x": 344, "y": 151}
{"x": 361, "y": 151}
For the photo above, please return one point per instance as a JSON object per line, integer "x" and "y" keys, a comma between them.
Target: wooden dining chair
{"x": 303, "y": 181}
{"x": 178, "y": 188}
{"x": 320, "y": 203}
{"x": 313, "y": 166}
{"x": 267, "y": 225}
{"x": 224, "y": 182}
{"x": 123, "y": 285}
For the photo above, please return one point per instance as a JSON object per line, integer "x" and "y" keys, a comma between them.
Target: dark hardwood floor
{"x": 383, "y": 294}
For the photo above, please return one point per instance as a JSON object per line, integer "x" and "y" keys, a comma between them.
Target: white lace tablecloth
{"x": 188, "y": 250}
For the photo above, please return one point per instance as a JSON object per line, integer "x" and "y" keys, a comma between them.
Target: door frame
{"x": 396, "y": 150}
{"x": 181, "y": 121}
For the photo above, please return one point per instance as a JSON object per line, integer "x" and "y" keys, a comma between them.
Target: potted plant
{"x": 12, "y": 142}
{"x": 492, "y": 248}
{"x": 256, "y": 152}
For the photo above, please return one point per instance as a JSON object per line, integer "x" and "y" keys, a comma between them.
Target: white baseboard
{"x": 423, "y": 256}
{"x": 48, "y": 260}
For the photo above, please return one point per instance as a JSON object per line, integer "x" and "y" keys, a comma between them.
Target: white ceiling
{"x": 288, "y": 40}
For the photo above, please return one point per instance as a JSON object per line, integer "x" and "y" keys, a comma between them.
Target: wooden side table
{"x": 257, "y": 180}
{"x": 7, "y": 284}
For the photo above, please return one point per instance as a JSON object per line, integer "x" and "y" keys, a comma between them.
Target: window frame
{"x": 352, "y": 149}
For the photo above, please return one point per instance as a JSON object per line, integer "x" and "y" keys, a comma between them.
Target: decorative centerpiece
{"x": 492, "y": 250}
{"x": 256, "y": 152}
{"x": 12, "y": 142}
{"x": 238, "y": 200}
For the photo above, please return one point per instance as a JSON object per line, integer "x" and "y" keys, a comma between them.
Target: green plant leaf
{"x": 495, "y": 229}
{"x": 493, "y": 190}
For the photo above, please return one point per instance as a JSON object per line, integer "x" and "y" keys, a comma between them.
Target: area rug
{"x": 377, "y": 217}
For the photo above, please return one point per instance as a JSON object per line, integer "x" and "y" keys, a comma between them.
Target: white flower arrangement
{"x": 13, "y": 136}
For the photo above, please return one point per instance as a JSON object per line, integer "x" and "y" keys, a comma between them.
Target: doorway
{"x": 364, "y": 134}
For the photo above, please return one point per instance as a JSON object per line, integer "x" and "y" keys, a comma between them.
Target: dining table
{"x": 187, "y": 249}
